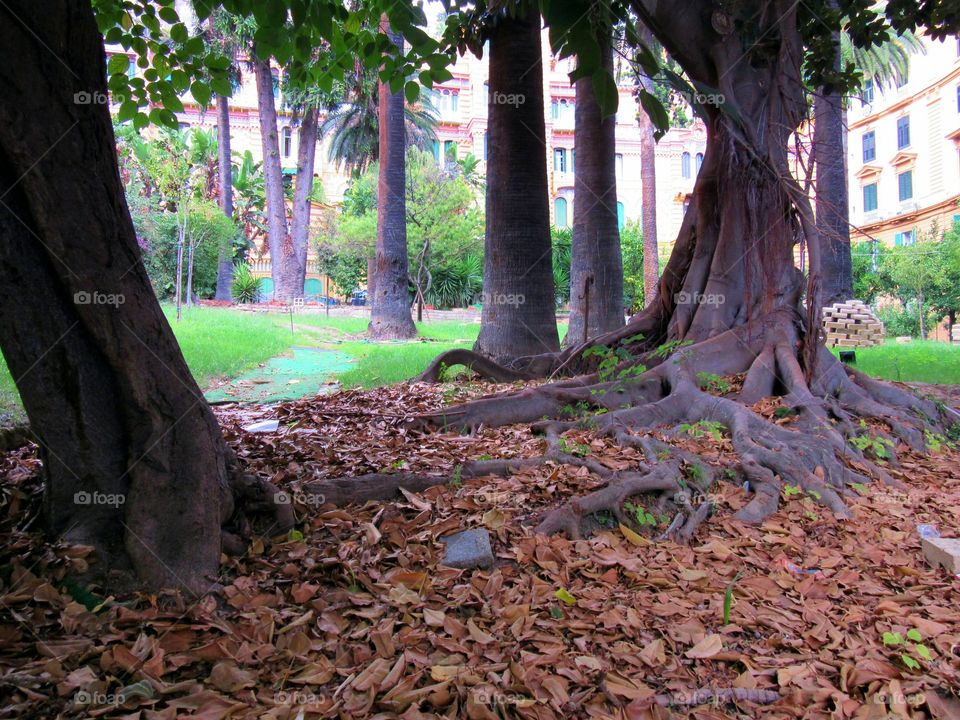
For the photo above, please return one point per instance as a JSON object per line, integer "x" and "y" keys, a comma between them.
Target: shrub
{"x": 246, "y": 286}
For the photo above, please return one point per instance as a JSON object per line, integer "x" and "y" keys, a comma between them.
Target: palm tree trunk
{"x": 648, "y": 190}
{"x": 596, "y": 267}
{"x": 225, "y": 166}
{"x": 306, "y": 154}
{"x": 284, "y": 287}
{"x": 390, "y": 312}
{"x": 518, "y": 317}
{"x": 832, "y": 208}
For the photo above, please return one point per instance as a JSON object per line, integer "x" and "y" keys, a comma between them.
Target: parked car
{"x": 358, "y": 297}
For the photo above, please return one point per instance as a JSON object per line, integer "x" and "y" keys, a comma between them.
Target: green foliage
{"x": 561, "y": 239}
{"x": 702, "y": 428}
{"x": 912, "y": 652}
{"x": 728, "y": 599}
{"x": 640, "y": 515}
{"x": 879, "y": 447}
{"x": 713, "y": 382}
{"x": 158, "y": 232}
{"x": 246, "y": 286}
{"x": 870, "y": 280}
{"x": 631, "y": 250}
{"x": 668, "y": 348}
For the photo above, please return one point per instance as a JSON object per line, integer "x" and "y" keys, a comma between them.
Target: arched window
{"x": 286, "y": 141}
{"x": 560, "y": 212}
{"x": 275, "y": 74}
{"x": 620, "y": 216}
{"x": 699, "y": 161}
{"x": 685, "y": 165}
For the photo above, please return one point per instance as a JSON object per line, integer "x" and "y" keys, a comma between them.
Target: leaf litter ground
{"x": 352, "y": 615}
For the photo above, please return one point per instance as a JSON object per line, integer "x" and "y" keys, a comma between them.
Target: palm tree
{"x": 390, "y": 302}
{"x": 648, "y": 186}
{"x": 353, "y": 126}
{"x": 596, "y": 268}
{"x": 227, "y": 33}
{"x": 518, "y": 317}
{"x": 881, "y": 64}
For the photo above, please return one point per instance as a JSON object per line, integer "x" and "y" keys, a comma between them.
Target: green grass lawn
{"x": 919, "y": 361}
{"x": 222, "y": 343}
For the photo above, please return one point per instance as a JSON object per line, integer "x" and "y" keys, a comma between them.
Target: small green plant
{"x": 701, "y": 428}
{"x": 910, "y": 652}
{"x": 485, "y": 457}
{"x": 246, "y": 286}
{"x": 790, "y": 490}
{"x": 712, "y": 381}
{"x": 860, "y": 488}
{"x": 456, "y": 480}
{"x": 667, "y": 349}
{"x": 608, "y": 362}
{"x": 640, "y": 515}
{"x": 935, "y": 441}
{"x": 728, "y": 599}
{"x": 578, "y": 450}
{"x": 879, "y": 447}
{"x": 783, "y": 411}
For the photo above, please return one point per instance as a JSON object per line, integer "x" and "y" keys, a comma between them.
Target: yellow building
{"x": 903, "y": 152}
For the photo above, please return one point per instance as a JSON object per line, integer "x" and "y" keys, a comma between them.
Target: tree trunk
{"x": 225, "y": 164}
{"x": 648, "y": 190}
{"x": 190, "y": 248}
{"x": 134, "y": 461}
{"x": 306, "y": 154}
{"x": 278, "y": 236}
{"x": 596, "y": 267}
{"x": 178, "y": 291}
{"x": 833, "y": 213}
{"x": 390, "y": 317}
{"x": 518, "y": 316}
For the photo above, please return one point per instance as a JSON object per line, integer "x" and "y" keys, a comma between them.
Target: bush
{"x": 901, "y": 320}
{"x": 561, "y": 239}
{"x": 157, "y": 233}
{"x": 246, "y": 286}
{"x": 457, "y": 284}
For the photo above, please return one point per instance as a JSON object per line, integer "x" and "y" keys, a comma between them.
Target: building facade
{"x": 903, "y": 150}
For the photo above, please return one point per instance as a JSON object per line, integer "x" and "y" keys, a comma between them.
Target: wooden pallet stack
{"x": 851, "y": 324}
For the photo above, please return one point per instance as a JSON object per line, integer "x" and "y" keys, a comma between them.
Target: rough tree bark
{"x": 596, "y": 267}
{"x": 729, "y": 303}
{"x": 300, "y": 227}
{"x": 648, "y": 190}
{"x": 833, "y": 221}
{"x": 518, "y": 316}
{"x": 390, "y": 298}
{"x": 282, "y": 256}
{"x": 225, "y": 167}
{"x": 134, "y": 461}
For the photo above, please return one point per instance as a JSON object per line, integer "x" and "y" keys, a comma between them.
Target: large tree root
{"x": 834, "y": 426}
{"x": 840, "y": 427}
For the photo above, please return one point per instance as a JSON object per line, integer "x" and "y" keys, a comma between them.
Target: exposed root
{"x": 568, "y": 517}
{"x": 480, "y": 364}
{"x": 818, "y": 442}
